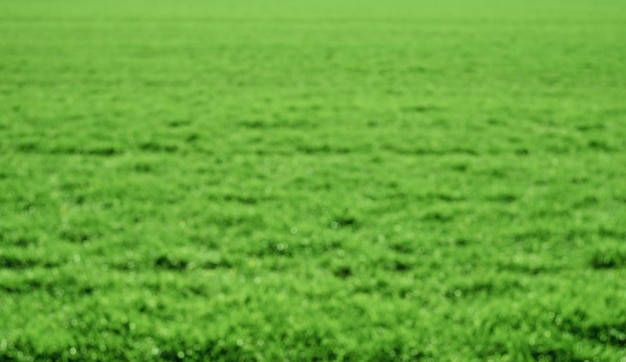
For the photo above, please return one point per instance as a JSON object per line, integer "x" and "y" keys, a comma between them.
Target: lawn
{"x": 313, "y": 180}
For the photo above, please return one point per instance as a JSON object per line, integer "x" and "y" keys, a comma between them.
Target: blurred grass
{"x": 312, "y": 180}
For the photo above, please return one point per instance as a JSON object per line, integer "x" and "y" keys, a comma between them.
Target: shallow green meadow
{"x": 309, "y": 180}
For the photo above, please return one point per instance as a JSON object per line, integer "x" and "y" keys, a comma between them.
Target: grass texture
{"x": 312, "y": 180}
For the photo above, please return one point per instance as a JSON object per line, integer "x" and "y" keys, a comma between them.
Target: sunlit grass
{"x": 312, "y": 180}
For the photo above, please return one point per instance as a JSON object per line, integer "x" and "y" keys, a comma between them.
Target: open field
{"x": 313, "y": 180}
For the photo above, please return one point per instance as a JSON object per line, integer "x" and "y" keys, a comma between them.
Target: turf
{"x": 313, "y": 180}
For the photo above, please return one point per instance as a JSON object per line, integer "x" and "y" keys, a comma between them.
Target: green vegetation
{"x": 313, "y": 180}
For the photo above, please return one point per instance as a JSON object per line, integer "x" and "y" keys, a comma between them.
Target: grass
{"x": 312, "y": 180}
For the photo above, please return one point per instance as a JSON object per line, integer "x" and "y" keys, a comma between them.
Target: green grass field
{"x": 313, "y": 180}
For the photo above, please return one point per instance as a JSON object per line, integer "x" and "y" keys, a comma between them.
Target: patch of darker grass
{"x": 527, "y": 268}
{"x": 537, "y": 235}
{"x": 399, "y": 266}
{"x": 587, "y": 201}
{"x": 18, "y": 262}
{"x": 342, "y": 221}
{"x": 103, "y": 150}
{"x": 242, "y": 199}
{"x": 608, "y": 258}
{"x": 444, "y": 196}
{"x": 323, "y": 149}
{"x": 437, "y": 216}
{"x": 64, "y": 286}
{"x": 178, "y": 123}
{"x": 459, "y": 167}
{"x": 403, "y": 246}
{"x": 430, "y": 151}
{"x": 21, "y": 239}
{"x": 343, "y": 272}
{"x": 75, "y": 235}
{"x": 504, "y": 198}
{"x": 554, "y": 354}
{"x": 599, "y": 145}
{"x": 522, "y": 151}
{"x": 170, "y": 263}
{"x": 604, "y": 332}
{"x": 156, "y": 147}
{"x": 420, "y": 108}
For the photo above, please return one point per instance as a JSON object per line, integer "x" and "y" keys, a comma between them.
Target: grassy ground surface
{"x": 313, "y": 180}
